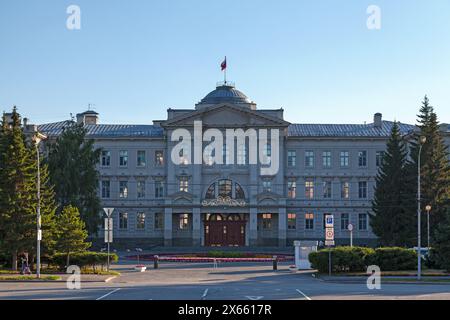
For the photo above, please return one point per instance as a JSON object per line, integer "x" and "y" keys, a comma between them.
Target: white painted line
{"x": 109, "y": 293}
{"x": 205, "y": 294}
{"x": 306, "y": 297}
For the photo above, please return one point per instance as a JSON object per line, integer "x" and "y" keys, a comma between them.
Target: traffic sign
{"x": 108, "y": 211}
{"x": 329, "y": 243}
{"x": 350, "y": 227}
{"x": 329, "y": 234}
{"x": 108, "y": 230}
{"x": 329, "y": 221}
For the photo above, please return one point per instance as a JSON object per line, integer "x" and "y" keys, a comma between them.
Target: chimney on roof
{"x": 378, "y": 120}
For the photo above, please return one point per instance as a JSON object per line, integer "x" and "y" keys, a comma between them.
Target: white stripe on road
{"x": 109, "y": 293}
{"x": 306, "y": 297}
{"x": 205, "y": 294}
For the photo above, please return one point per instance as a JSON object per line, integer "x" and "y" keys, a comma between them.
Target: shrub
{"x": 343, "y": 259}
{"x": 394, "y": 259}
{"x": 84, "y": 259}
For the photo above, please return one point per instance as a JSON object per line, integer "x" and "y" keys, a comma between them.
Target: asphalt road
{"x": 228, "y": 282}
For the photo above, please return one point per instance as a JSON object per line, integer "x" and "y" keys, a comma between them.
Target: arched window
{"x": 215, "y": 217}
{"x": 225, "y": 189}
{"x": 234, "y": 217}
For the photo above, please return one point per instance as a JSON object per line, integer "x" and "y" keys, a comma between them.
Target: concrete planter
{"x": 140, "y": 268}
{"x": 293, "y": 269}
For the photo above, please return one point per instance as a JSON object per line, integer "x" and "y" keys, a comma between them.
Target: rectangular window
{"x": 326, "y": 159}
{"x": 324, "y": 224}
{"x": 345, "y": 190}
{"x": 106, "y": 189}
{"x": 362, "y": 221}
{"x": 141, "y": 189}
{"x": 327, "y": 190}
{"x": 345, "y": 221}
{"x": 292, "y": 189}
{"x": 362, "y": 189}
{"x": 362, "y": 158}
{"x": 141, "y": 161}
{"x": 267, "y": 221}
{"x": 267, "y": 185}
{"x": 159, "y": 158}
{"x": 292, "y": 221}
{"x": 140, "y": 220}
{"x": 183, "y": 221}
{"x": 159, "y": 221}
{"x": 106, "y": 158}
{"x": 309, "y": 159}
{"x": 159, "y": 189}
{"x": 242, "y": 154}
{"x": 123, "y": 220}
{"x": 309, "y": 189}
{"x": 292, "y": 158}
{"x": 379, "y": 158}
{"x": 123, "y": 158}
{"x": 225, "y": 154}
{"x": 123, "y": 189}
{"x": 344, "y": 159}
{"x": 309, "y": 221}
{"x": 184, "y": 184}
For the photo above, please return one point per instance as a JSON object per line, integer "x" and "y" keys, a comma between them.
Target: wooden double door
{"x": 224, "y": 231}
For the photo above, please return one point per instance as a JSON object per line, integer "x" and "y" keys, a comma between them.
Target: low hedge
{"x": 84, "y": 259}
{"x": 357, "y": 259}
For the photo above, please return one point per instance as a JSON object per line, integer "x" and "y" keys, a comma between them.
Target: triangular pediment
{"x": 226, "y": 115}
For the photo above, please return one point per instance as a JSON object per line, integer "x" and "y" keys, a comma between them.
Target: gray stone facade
{"x": 324, "y": 169}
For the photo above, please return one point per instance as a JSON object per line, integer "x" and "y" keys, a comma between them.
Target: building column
{"x": 196, "y": 232}
{"x": 282, "y": 227}
{"x": 253, "y": 227}
{"x": 168, "y": 227}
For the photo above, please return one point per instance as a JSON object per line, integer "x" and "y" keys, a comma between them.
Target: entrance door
{"x": 225, "y": 231}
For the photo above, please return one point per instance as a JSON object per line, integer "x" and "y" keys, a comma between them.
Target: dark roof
{"x": 225, "y": 93}
{"x": 346, "y": 130}
{"x": 105, "y": 130}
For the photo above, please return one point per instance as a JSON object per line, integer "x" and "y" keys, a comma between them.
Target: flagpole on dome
{"x": 223, "y": 66}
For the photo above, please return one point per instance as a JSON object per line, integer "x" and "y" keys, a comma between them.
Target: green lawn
{"x": 29, "y": 277}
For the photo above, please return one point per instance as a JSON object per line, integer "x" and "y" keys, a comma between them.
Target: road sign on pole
{"x": 108, "y": 229}
{"x": 350, "y": 228}
{"x": 329, "y": 221}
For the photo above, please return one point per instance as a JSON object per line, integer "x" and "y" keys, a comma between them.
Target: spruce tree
{"x": 72, "y": 233}
{"x": 17, "y": 216}
{"x": 390, "y": 220}
{"x": 434, "y": 167}
{"x": 441, "y": 247}
{"x": 72, "y": 162}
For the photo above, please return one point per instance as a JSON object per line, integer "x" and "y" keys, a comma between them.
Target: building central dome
{"x": 226, "y": 93}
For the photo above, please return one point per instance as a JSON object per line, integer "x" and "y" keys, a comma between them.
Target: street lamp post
{"x": 428, "y": 209}
{"x": 37, "y": 140}
{"x": 422, "y": 141}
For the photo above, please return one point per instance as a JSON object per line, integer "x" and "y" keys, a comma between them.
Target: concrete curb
{"x": 57, "y": 281}
{"x": 383, "y": 281}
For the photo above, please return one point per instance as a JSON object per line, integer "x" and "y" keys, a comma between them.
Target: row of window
{"x": 310, "y": 217}
{"x": 225, "y": 188}
{"x": 344, "y": 158}
{"x": 183, "y": 221}
{"x": 123, "y": 160}
{"x": 310, "y": 189}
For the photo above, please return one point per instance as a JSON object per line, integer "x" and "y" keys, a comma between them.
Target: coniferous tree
{"x": 72, "y": 164}
{"x": 434, "y": 167}
{"x": 390, "y": 220}
{"x": 72, "y": 232}
{"x": 18, "y": 194}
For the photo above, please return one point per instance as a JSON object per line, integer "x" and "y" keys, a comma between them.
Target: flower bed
{"x": 199, "y": 259}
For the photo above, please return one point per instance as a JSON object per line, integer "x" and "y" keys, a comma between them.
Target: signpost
{"x": 350, "y": 228}
{"x": 329, "y": 237}
{"x": 108, "y": 228}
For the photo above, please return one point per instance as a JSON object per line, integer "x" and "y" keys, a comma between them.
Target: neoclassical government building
{"x": 324, "y": 169}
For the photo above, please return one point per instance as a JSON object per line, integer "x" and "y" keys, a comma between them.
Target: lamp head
{"x": 428, "y": 208}
{"x": 423, "y": 140}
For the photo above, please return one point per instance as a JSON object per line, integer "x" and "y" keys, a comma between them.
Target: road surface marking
{"x": 109, "y": 293}
{"x": 306, "y": 297}
{"x": 205, "y": 294}
{"x": 254, "y": 298}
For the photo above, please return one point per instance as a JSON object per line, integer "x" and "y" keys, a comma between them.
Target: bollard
{"x": 275, "y": 262}
{"x": 155, "y": 261}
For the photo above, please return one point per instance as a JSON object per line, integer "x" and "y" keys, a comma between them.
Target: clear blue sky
{"x": 134, "y": 59}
